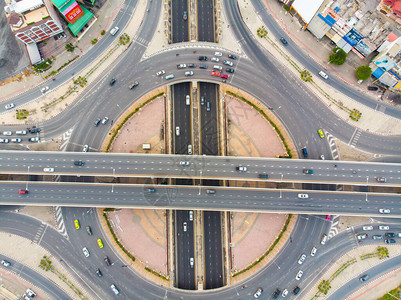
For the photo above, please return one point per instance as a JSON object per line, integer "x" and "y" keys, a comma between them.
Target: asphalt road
{"x": 206, "y": 21}
{"x": 179, "y": 26}
{"x": 209, "y": 134}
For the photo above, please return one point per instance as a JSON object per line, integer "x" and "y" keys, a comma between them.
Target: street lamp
{"x": 200, "y": 181}
{"x": 27, "y": 180}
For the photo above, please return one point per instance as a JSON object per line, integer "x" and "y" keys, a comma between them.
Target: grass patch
{"x": 156, "y": 274}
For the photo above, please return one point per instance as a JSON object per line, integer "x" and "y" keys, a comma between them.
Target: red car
{"x": 23, "y": 192}
{"x": 328, "y": 217}
{"x": 224, "y": 76}
{"x": 214, "y": 73}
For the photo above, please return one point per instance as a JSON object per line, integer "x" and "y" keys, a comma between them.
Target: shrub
{"x": 94, "y": 41}
{"x": 69, "y": 47}
{"x": 103, "y": 32}
{"x": 363, "y": 72}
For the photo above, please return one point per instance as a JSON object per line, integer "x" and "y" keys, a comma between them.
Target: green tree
{"x": 338, "y": 57}
{"x": 363, "y": 72}
{"x": 69, "y": 47}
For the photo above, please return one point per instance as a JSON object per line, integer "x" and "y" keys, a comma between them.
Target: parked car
{"x": 377, "y": 237}
{"x": 191, "y": 66}
{"x": 367, "y": 227}
{"x": 284, "y": 293}
{"x": 232, "y": 56}
{"x": 218, "y": 54}
{"x": 5, "y": 141}
{"x": 362, "y": 236}
{"x": 228, "y": 63}
{"x": 224, "y": 76}
{"x": 389, "y": 234}
{"x": 276, "y": 294}
{"x": 296, "y": 290}
{"x": 33, "y": 139}
{"x": 202, "y": 66}
{"x": 215, "y": 59}
{"x": 189, "y": 73}
{"x": 373, "y": 88}
{"x": 49, "y": 170}
{"x": 230, "y": 70}
{"x": 16, "y": 140}
{"x": 7, "y": 132}
{"x": 328, "y": 217}
{"x": 384, "y": 227}
{"x": 390, "y": 241}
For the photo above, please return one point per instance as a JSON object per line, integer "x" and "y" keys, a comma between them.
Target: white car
{"x": 34, "y": 139}
{"x": 189, "y": 73}
{"x": 7, "y": 132}
{"x": 228, "y": 63}
{"x": 115, "y": 290}
{"x": 322, "y": 157}
{"x": 324, "y": 75}
{"x": 302, "y": 259}
{"x": 191, "y": 262}
{"x": 86, "y": 252}
{"x": 367, "y": 227}
{"x": 45, "y": 89}
{"x": 258, "y": 292}
{"x": 9, "y": 106}
{"x": 5, "y": 263}
{"x": 17, "y": 140}
{"x": 184, "y": 163}
{"x": 50, "y": 170}
{"x": 30, "y": 293}
{"x": 384, "y": 210}
{"x": 177, "y": 130}
{"x": 285, "y": 293}
{"x": 299, "y": 275}
{"x": 86, "y": 148}
{"x": 384, "y": 227}
{"x": 215, "y": 59}
{"x": 185, "y": 226}
{"x": 191, "y": 215}
{"x": 160, "y": 73}
{"x": 4, "y": 141}
{"x": 313, "y": 251}
{"x": 303, "y": 196}
{"x": 218, "y": 54}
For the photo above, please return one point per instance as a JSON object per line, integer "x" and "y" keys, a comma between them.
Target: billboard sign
{"x": 73, "y": 13}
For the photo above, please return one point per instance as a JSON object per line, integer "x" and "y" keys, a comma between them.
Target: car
{"x": 77, "y": 225}
{"x": 381, "y": 179}
{"x": 323, "y": 240}
{"x": 97, "y": 122}
{"x": 241, "y": 169}
{"x": 228, "y": 63}
{"x": 301, "y": 259}
{"x": 189, "y": 73}
{"x": 328, "y": 217}
{"x": 9, "y": 106}
{"x": 229, "y": 70}
{"x": 133, "y": 84}
{"x": 390, "y": 241}
{"x": 5, "y": 263}
{"x": 30, "y": 293}
{"x": 22, "y": 191}
{"x": 202, "y": 67}
{"x": 185, "y": 15}
{"x": 265, "y": 176}
{"x": 304, "y": 152}
{"x": 184, "y": 163}
{"x": 86, "y": 252}
{"x": 215, "y": 59}
{"x": 171, "y": 76}
{"x": 313, "y": 251}
{"x": 232, "y": 56}
{"x": 105, "y": 120}
{"x": 112, "y": 81}
{"x": 384, "y": 210}
{"x": 284, "y": 41}
{"x": 202, "y": 100}
{"x": 184, "y": 225}
{"x": 100, "y": 243}
{"x": 224, "y": 76}
{"x": 389, "y": 234}
{"x": 377, "y": 237}
{"x": 114, "y": 30}
{"x": 190, "y": 149}
{"x": 191, "y": 262}
{"x": 151, "y": 190}
{"x": 215, "y": 73}
{"x": 285, "y": 293}
{"x": 399, "y": 234}
{"x": 303, "y": 196}
{"x": 98, "y": 273}
{"x": 181, "y": 66}
{"x": 7, "y": 132}
{"x": 160, "y": 73}
{"x": 299, "y": 275}
{"x": 362, "y": 236}
{"x": 4, "y": 141}
{"x": 367, "y": 227}
{"x": 191, "y": 215}
{"x": 79, "y": 163}
{"x": 16, "y": 140}
{"x": 324, "y": 75}
{"x": 217, "y": 67}
{"x": 276, "y": 293}
{"x": 89, "y": 230}
{"x": 296, "y": 290}
{"x": 210, "y": 191}
{"x": 218, "y": 54}
{"x": 208, "y": 106}
{"x": 258, "y": 292}
{"x": 50, "y": 170}
{"x": 364, "y": 278}
{"x": 307, "y": 171}
{"x": 177, "y": 130}
{"x": 191, "y": 66}
{"x": 384, "y": 227}
{"x": 34, "y": 139}
{"x": 321, "y": 134}
{"x": 86, "y": 148}
{"x": 373, "y": 88}
{"x": 114, "y": 289}
{"x": 44, "y": 89}
{"x": 322, "y": 157}
{"x": 20, "y": 132}
{"x": 203, "y": 58}
{"x": 107, "y": 261}
{"x": 34, "y": 130}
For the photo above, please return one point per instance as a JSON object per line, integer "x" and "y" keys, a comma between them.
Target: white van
{"x": 114, "y": 30}
{"x": 220, "y": 68}
{"x": 188, "y": 100}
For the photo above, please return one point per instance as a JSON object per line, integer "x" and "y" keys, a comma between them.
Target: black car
{"x": 364, "y": 278}
{"x": 296, "y": 290}
{"x": 390, "y": 234}
{"x": 191, "y": 66}
{"x": 232, "y": 56}
{"x": 97, "y": 122}
{"x": 229, "y": 70}
{"x": 263, "y": 176}
{"x": 107, "y": 260}
{"x": 203, "y": 58}
{"x": 99, "y": 273}
{"x": 284, "y": 41}
{"x": 202, "y": 67}
{"x": 373, "y": 88}
{"x": 34, "y": 130}
{"x": 276, "y": 294}
{"x": 79, "y": 163}
{"x": 390, "y": 241}
{"x": 112, "y": 81}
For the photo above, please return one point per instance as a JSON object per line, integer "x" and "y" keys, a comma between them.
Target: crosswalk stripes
{"x": 141, "y": 41}
{"x": 333, "y": 147}
{"x": 334, "y": 226}
{"x": 60, "y": 222}
{"x": 355, "y": 137}
{"x": 65, "y": 138}
{"x": 39, "y": 234}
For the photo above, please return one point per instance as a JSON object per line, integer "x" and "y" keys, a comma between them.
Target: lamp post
{"x": 27, "y": 180}
{"x": 200, "y": 181}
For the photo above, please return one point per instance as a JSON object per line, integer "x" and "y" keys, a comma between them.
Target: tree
{"x": 363, "y": 72}
{"x": 338, "y": 57}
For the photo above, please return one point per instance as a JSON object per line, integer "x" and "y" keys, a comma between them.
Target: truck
{"x": 308, "y": 171}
